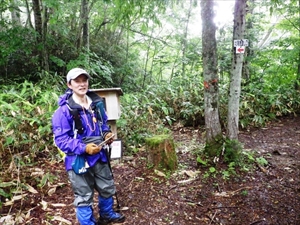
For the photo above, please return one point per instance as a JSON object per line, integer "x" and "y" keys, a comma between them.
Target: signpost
{"x": 240, "y": 45}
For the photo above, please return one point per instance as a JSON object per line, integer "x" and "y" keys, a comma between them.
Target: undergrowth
{"x": 27, "y": 108}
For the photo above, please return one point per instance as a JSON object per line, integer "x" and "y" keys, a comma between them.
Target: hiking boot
{"x": 107, "y": 213}
{"x": 114, "y": 218}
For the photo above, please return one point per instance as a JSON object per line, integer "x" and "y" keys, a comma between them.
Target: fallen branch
{"x": 264, "y": 170}
{"x": 212, "y": 219}
{"x": 258, "y": 221}
{"x": 224, "y": 207}
{"x": 230, "y": 193}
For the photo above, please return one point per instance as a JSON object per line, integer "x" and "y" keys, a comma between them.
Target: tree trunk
{"x": 146, "y": 73}
{"x": 214, "y": 139}
{"x": 297, "y": 83}
{"x": 45, "y": 58}
{"x": 236, "y": 71}
{"x": 249, "y": 53}
{"x": 85, "y": 24}
{"x": 184, "y": 40}
{"x": 36, "y": 6}
{"x": 28, "y": 20}
{"x": 41, "y": 18}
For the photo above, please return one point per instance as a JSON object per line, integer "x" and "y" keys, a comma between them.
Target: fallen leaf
{"x": 28, "y": 213}
{"x": 20, "y": 219}
{"x": 191, "y": 173}
{"x": 159, "y": 173}
{"x": 185, "y": 181}
{"x": 222, "y": 194}
{"x": 18, "y": 197}
{"x": 31, "y": 189}
{"x": 7, "y": 184}
{"x": 59, "y": 205}
{"x": 9, "y": 220}
{"x": 44, "y": 205}
{"x": 51, "y": 191}
{"x": 8, "y": 203}
{"x": 37, "y": 172}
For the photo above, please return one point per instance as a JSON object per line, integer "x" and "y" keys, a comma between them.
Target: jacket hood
{"x": 66, "y": 98}
{"x": 63, "y": 99}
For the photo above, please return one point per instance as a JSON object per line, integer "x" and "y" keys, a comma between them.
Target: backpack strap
{"x": 77, "y": 124}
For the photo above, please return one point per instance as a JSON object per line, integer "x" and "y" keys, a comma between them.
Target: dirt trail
{"x": 269, "y": 195}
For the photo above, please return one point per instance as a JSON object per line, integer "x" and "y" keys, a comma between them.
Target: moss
{"x": 161, "y": 152}
{"x": 214, "y": 147}
{"x": 233, "y": 149}
{"x": 155, "y": 140}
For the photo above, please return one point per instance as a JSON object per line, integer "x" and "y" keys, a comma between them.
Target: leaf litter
{"x": 269, "y": 195}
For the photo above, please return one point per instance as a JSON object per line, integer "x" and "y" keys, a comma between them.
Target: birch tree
{"x": 236, "y": 71}
{"x": 214, "y": 139}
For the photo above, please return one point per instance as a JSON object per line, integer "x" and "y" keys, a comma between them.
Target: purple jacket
{"x": 63, "y": 128}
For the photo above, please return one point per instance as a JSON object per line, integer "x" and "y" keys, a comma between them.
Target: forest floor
{"x": 266, "y": 194}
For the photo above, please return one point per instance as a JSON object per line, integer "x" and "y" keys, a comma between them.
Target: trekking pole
{"x": 108, "y": 155}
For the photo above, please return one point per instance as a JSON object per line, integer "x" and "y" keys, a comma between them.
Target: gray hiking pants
{"x": 98, "y": 177}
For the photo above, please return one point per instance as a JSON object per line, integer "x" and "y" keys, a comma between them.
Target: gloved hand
{"x": 92, "y": 149}
{"x": 107, "y": 136}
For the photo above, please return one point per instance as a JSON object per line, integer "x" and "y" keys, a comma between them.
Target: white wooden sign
{"x": 242, "y": 42}
{"x": 116, "y": 149}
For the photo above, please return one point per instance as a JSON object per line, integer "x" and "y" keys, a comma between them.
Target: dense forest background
{"x": 153, "y": 51}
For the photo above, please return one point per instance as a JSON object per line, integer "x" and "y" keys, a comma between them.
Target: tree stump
{"x": 161, "y": 152}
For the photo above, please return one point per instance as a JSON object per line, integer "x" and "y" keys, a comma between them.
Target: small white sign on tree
{"x": 242, "y": 42}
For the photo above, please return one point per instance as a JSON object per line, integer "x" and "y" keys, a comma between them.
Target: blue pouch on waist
{"x": 79, "y": 165}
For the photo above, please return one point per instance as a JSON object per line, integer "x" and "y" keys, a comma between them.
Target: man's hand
{"x": 92, "y": 149}
{"x": 107, "y": 136}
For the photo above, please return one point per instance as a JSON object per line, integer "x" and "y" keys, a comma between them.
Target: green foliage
{"x": 192, "y": 107}
{"x": 100, "y": 69}
{"x": 152, "y": 110}
{"x": 261, "y": 161}
{"x": 244, "y": 192}
{"x": 145, "y": 115}
{"x": 211, "y": 172}
{"x": 17, "y": 53}
{"x": 6, "y": 185}
{"x": 47, "y": 178}
{"x": 201, "y": 161}
{"x": 230, "y": 171}
{"x": 26, "y": 117}
{"x": 25, "y": 128}
{"x": 160, "y": 70}
{"x": 262, "y": 103}
{"x": 236, "y": 160}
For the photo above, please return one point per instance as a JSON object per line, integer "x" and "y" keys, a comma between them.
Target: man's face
{"x": 79, "y": 85}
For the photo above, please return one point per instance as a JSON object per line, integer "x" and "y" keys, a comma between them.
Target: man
{"x": 79, "y": 125}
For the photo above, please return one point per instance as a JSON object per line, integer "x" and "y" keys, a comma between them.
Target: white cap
{"x": 73, "y": 73}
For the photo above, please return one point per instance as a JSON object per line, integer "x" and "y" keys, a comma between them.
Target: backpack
{"x": 77, "y": 124}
